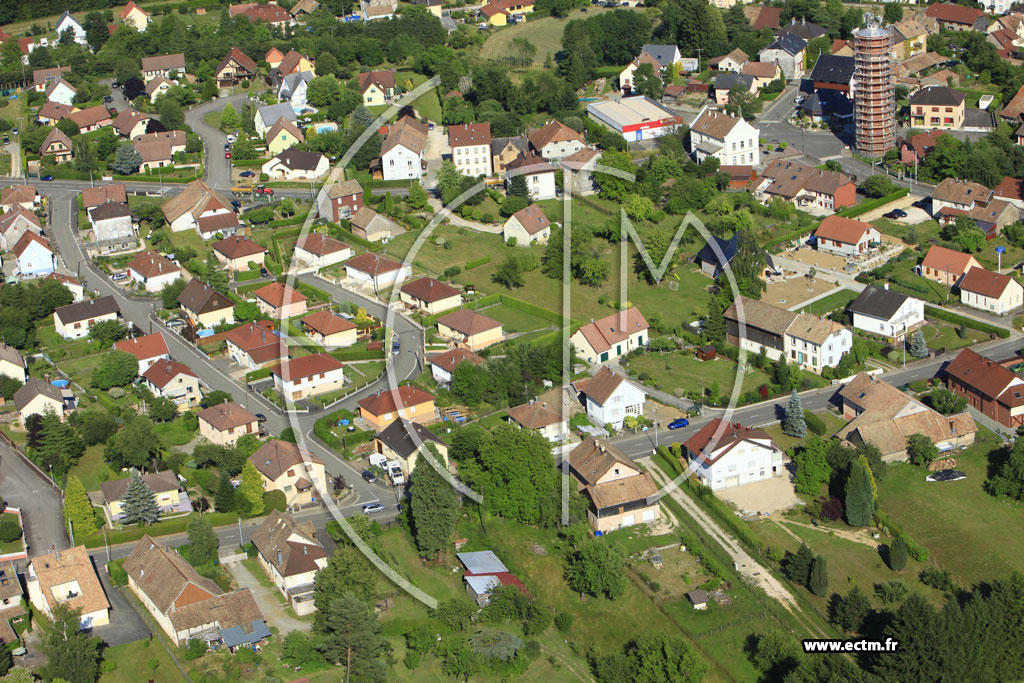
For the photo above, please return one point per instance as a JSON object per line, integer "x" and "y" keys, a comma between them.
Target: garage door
{"x": 648, "y": 515}
{"x": 628, "y": 520}
{"x": 732, "y": 481}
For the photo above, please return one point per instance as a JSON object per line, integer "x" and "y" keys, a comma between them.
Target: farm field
{"x": 545, "y": 34}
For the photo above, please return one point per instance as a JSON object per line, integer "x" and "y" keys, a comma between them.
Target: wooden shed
{"x": 707, "y": 352}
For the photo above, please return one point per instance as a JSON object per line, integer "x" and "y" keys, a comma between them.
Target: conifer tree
{"x": 434, "y": 508}
{"x": 250, "y": 493}
{"x": 860, "y": 501}
{"x": 78, "y": 509}
{"x": 139, "y": 502}
{"x": 898, "y": 554}
{"x": 794, "y": 423}
{"x": 819, "y": 577}
{"x": 224, "y": 498}
{"x": 918, "y": 348}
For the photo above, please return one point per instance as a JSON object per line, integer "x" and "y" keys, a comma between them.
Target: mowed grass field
{"x": 965, "y": 529}
{"x": 682, "y": 370}
{"x": 545, "y": 34}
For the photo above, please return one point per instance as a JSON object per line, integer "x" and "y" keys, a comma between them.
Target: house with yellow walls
{"x": 494, "y": 15}
{"x": 377, "y": 87}
{"x": 283, "y": 135}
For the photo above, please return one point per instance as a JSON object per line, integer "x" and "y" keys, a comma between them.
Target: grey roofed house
{"x": 109, "y": 210}
{"x": 114, "y": 490}
{"x": 789, "y": 43}
{"x": 938, "y": 95}
{"x": 828, "y": 103}
{"x": 374, "y": 225}
{"x": 709, "y": 258}
{"x": 807, "y": 30}
{"x": 291, "y": 82}
{"x": 84, "y": 310}
{"x": 876, "y": 302}
{"x": 833, "y": 69}
{"x": 482, "y": 562}
{"x": 397, "y": 437}
{"x": 728, "y": 79}
{"x": 32, "y": 388}
{"x": 245, "y": 634}
{"x": 520, "y": 142}
{"x": 663, "y": 54}
{"x": 448, "y": 23}
{"x": 272, "y": 112}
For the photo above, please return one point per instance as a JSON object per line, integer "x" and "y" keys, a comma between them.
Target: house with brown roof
{"x": 234, "y": 68}
{"x": 555, "y": 141}
{"x": 72, "y": 285}
{"x": 914, "y": 149}
{"x": 845, "y": 236}
{"x": 990, "y": 291}
{"x": 805, "y": 187}
{"x": 225, "y": 423}
{"x": 527, "y": 226}
{"x": 156, "y": 154}
{"x": 162, "y": 65}
{"x": 946, "y": 266}
{"x": 408, "y": 401}
{"x": 882, "y": 415}
{"x": 909, "y": 38}
{"x": 286, "y": 467}
{"x": 24, "y": 196}
{"x": 606, "y": 339}
{"x": 442, "y": 366}
{"x": 12, "y": 363}
{"x": 471, "y": 148}
{"x": 579, "y": 170}
{"x": 340, "y": 200}
{"x": 468, "y": 329}
{"x": 994, "y": 216}
{"x": 763, "y": 73}
{"x": 91, "y": 119}
{"x": 550, "y": 422}
{"x": 166, "y": 489}
{"x": 620, "y": 493}
{"x": 101, "y": 194}
{"x": 14, "y": 223}
{"x": 51, "y": 112}
{"x": 271, "y": 14}
{"x": 370, "y": 269}
{"x": 204, "y": 306}
{"x": 402, "y": 441}
{"x": 401, "y": 155}
{"x": 114, "y": 228}
{"x": 61, "y": 91}
{"x": 990, "y": 388}
{"x": 37, "y": 397}
{"x": 134, "y": 16}
{"x": 955, "y": 17}
{"x": 1014, "y": 109}
{"x": 237, "y": 252}
{"x": 429, "y": 296}
{"x": 291, "y": 556}
{"x": 67, "y": 577}
{"x": 725, "y": 454}
{"x": 173, "y": 380}
{"x": 372, "y": 226}
{"x": 609, "y": 398}
{"x": 34, "y": 256}
{"x": 189, "y": 606}
{"x": 74, "y": 320}
{"x": 293, "y": 164}
{"x": 57, "y": 145}
{"x": 730, "y": 139}
{"x": 376, "y": 87}
{"x": 280, "y": 301}
{"x": 540, "y": 175}
{"x": 329, "y": 330}
{"x": 147, "y": 349}
{"x": 253, "y": 346}
{"x": 12, "y": 607}
{"x": 196, "y": 203}
{"x": 319, "y": 251}
{"x": 953, "y": 197}
{"x": 283, "y": 134}
{"x": 153, "y": 271}
{"x": 317, "y": 373}
{"x": 130, "y": 123}
{"x": 42, "y": 78}
{"x": 808, "y": 341}
{"x": 763, "y": 16}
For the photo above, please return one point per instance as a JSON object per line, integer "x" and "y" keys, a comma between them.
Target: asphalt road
{"x": 24, "y": 488}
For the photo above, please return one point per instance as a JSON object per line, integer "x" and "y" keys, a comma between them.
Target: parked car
{"x": 396, "y": 345}
{"x": 107, "y": 98}
{"x": 175, "y": 322}
{"x": 236, "y": 205}
{"x": 227, "y": 146}
{"x": 231, "y": 138}
{"x": 372, "y": 507}
{"x": 679, "y": 423}
{"x": 264, "y": 272}
{"x": 227, "y": 155}
{"x": 921, "y": 203}
{"x": 260, "y": 417}
{"x": 46, "y": 177}
{"x": 369, "y": 476}
{"x": 895, "y": 214}
{"x": 247, "y": 174}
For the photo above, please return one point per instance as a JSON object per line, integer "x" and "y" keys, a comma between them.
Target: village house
{"x": 204, "y": 306}
{"x": 74, "y": 320}
{"x": 946, "y": 266}
{"x": 815, "y": 342}
{"x": 727, "y": 81}
{"x": 37, "y": 397}
{"x": 271, "y": 14}
{"x": 763, "y": 73}
{"x": 91, "y": 119}
{"x": 14, "y": 223}
{"x": 340, "y": 200}
{"x": 609, "y": 398}
{"x": 329, "y": 330}
{"x": 147, "y": 349}
{"x": 628, "y": 74}
{"x": 234, "y": 68}
{"x": 42, "y": 78}
{"x": 114, "y": 228}
{"x": 429, "y": 296}
{"x": 69, "y": 23}
{"x": 471, "y": 148}
{"x": 167, "y": 493}
{"x": 130, "y": 123}
{"x": 252, "y": 346}
{"x": 72, "y": 285}
{"x": 805, "y": 187}
{"x": 291, "y": 556}
{"x": 12, "y": 364}
{"x": 527, "y": 226}
{"x": 540, "y": 176}
{"x": 733, "y": 61}
{"x": 278, "y": 300}
{"x": 788, "y": 51}
{"x": 34, "y": 256}
{"x": 281, "y": 136}
{"x": 579, "y": 171}
{"x": 909, "y": 38}
{"x": 60, "y": 91}
{"x": 153, "y": 271}
{"x": 403, "y": 440}
{"x": 990, "y": 291}
{"x": 375, "y": 10}
{"x": 134, "y": 16}
{"x": 442, "y": 365}
{"x": 268, "y": 115}
{"x": 810, "y": 342}
{"x": 292, "y": 63}
{"x": 937, "y": 107}
{"x": 554, "y": 141}
{"x": 845, "y": 236}
{"x": 401, "y": 155}
{"x": 197, "y": 206}
{"x": 994, "y": 216}
{"x": 24, "y": 196}
{"x": 157, "y": 87}
{"x": 620, "y": 494}
{"x": 725, "y": 454}
{"x": 291, "y": 164}
{"x": 156, "y": 154}
{"x": 468, "y": 329}
{"x": 614, "y": 335}
{"x": 189, "y": 606}
{"x": 374, "y": 270}
{"x": 990, "y": 388}
{"x": 549, "y": 422}
{"x": 174, "y": 380}
{"x": 102, "y": 194}
{"x": 168, "y": 66}
{"x": 956, "y": 17}
{"x": 376, "y": 87}
{"x": 371, "y": 226}
{"x": 381, "y": 409}
{"x": 225, "y": 423}
{"x": 237, "y": 252}
{"x": 67, "y": 577}
{"x": 914, "y": 149}
{"x": 953, "y": 197}
{"x": 294, "y": 89}
{"x": 317, "y": 373}
{"x": 729, "y": 139}
{"x": 884, "y": 416}
{"x": 317, "y": 250}
{"x": 506, "y": 150}
{"x": 288, "y": 468}
{"x": 886, "y": 312}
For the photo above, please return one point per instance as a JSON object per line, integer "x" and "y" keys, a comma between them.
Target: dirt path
{"x": 745, "y": 564}
{"x": 861, "y": 537}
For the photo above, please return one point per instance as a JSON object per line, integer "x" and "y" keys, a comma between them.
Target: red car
{"x": 227, "y": 155}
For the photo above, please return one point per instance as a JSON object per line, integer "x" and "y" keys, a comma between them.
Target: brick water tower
{"x": 874, "y": 104}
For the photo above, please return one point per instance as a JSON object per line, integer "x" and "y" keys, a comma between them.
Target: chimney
{"x": 278, "y": 557}
{"x": 886, "y": 285}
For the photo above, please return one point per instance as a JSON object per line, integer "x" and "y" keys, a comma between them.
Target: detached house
{"x": 401, "y": 155}
{"x": 69, "y": 23}
{"x": 286, "y": 467}
{"x": 788, "y": 51}
{"x": 14, "y": 223}
{"x": 371, "y": 269}
{"x": 61, "y": 91}
{"x": 340, "y": 200}
{"x": 199, "y": 207}
{"x": 319, "y": 251}
{"x": 166, "y": 492}
{"x": 135, "y": 16}
{"x": 555, "y": 141}
{"x": 114, "y": 228}
{"x": 67, "y": 577}
{"x": 442, "y": 366}
{"x": 291, "y": 556}
{"x": 527, "y": 226}
{"x": 42, "y": 78}
{"x": 377, "y": 87}
{"x": 990, "y": 291}
{"x": 471, "y": 148}
{"x": 329, "y": 330}
{"x": 381, "y": 409}
{"x": 237, "y": 252}
{"x": 429, "y": 296}
{"x": 91, "y": 119}
{"x": 131, "y": 124}
{"x": 612, "y": 336}
{"x": 268, "y": 115}
{"x": 609, "y": 398}
{"x": 204, "y": 306}
{"x": 254, "y": 347}
{"x": 730, "y": 139}
{"x": 540, "y": 175}
{"x": 235, "y": 67}
{"x": 468, "y": 329}
{"x": 24, "y": 196}
{"x": 173, "y": 380}
{"x": 955, "y": 17}
{"x": 845, "y": 236}
{"x": 163, "y": 65}
{"x": 12, "y": 364}
{"x": 725, "y": 454}
{"x": 909, "y": 38}
{"x": 318, "y": 373}
{"x": 37, "y": 397}
{"x": 372, "y": 226}
{"x": 733, "y": 61}
{"x": 291, "y": 164}
{"x": 990, "y": 388}
{"x": 953, "y": 197}
{"x": 946, "y": 266}
{"x": 293, "y": 90}
{"x": 805, "y": 187}
{"x": 153, "y": 271}
{"x": 403, "y": 440}
{"x": 886, "y": 312}
{"x": 280, "y": 301}
{"x": 147, "y": 349}
{"x": 74, "y": 320}
{"x": 551, "y": 424}
{"x": 34, "y": 256}
{"x": 937, "y": 107}
{"x": 225, "y": 423}
{"x": 619, "y": 492}
{"x": 579, "y": 171}
{"x": 281, "y": 136}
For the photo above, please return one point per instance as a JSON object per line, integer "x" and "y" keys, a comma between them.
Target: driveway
{"x": 126, "y": 626}
{"x": 270, "y": 600}
{"x": 762, "y": 497}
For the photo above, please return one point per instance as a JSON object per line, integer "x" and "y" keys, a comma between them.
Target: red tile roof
{"x": 385, "y": 402}
{"x": 429, "y": 290}
{"x": 956, "y": 14}
{"x": 278, "y": 294}
{"x": 947, "y": 260}
{"x": 985, "y": 282}
{"x": 238, "y": 247}
{"x": 163, "y": 371}
{"x": 326, "y": 323}
{"x": 846, "y": 230}
{"x": 372, "y": 264}
{"x": 144, "y": 347}
{"x": 986, "y": 377}
{"x": 151, "y": 264}
{"x": 26, "y": 239}
{"x": 721, "y": 436}
{"x": 307, "y": 366}
{"x": 449, "y": 359}
{"x": 320, "y": 244}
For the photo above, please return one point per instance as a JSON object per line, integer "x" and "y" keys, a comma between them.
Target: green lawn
{"x": 358, "y": 374}
{"x": 427, "y": 105}
{"x": 143, "y": 660}
{"x": 833, "y": 424}
{"x": 545, "y": 34}
{"x": 680, "y": 371}
{"x": 515, "y": 320}
{"x": 958, "y": 522}
{"x": 16, "y": 545}
{"x": 940, "y": 334}
{"x": 173, "y": 434}
{"x": 92, "y": 469}
{"x": 829, "y": 303}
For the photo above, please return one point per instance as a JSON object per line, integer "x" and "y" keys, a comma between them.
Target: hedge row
{"x": 872, "y": 204}
{"x": 950, "y": 317}
{"x": 525, "y": 307}
{"x": 293, "y": 220}
{"x": 914, "y": 549}
{"x": 357, "y": 355}
{"x": 470, "y": 265}
{"x": 313, "y": 292}
{"x": 789, "y": 236}
{"x": 814, "y": 423}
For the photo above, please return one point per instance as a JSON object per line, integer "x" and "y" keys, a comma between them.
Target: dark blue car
{"x": 679, "y": 423}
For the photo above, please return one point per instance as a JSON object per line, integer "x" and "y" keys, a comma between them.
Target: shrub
{"x": 939, "y": 579}
{"x": 891, "y": 591}
{"x": 10, "y": 530}
{"x": 815, "y": 423}
{"x": 116, "y": 392}
{"x": 512, "y": 241}
{"x": 470, "y": 265}
{"x": 563, "y": 621}
{"x": 115, "y": 570}
{"x": 918, "y": 385}
{"x": 195, "y": 649}
{"x": 452, "y": 271}
{"x": 264, "y": 177}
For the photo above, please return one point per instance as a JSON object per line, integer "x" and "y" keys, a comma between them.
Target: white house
{"x": 66, "y": 22}
{"x": 199, "y": 207}
{"x": 726, "y": 455}
{"x": 527, "y": 226}
{"x": 540, "y": 175}
{"x": 74, "y": 320}
{"x": 372, "y": 270}
{"x": 113, "y": 228}
{"x": 14, "y": 223}
{"x": 814, "y": 342}
{"x": 845, "y": 236}
{"x": 555, "y": 141}
{"x": 549, "y": 422}
{"x": 471, "y": 148}
{"x": 612, "y": 336}
{"x": 61, "y": 91}
{"x": 609, "y": 398}
{"x": 267, "y": 116}
{"x": 730, "y": 139}
{"x": 317, "y": 373}
{"x": 989, "y": 291}
{"x": 401, "y": 155}
{"x": 147, "y": 349}
{"x": 67, "y": 577}
{"x": 887, "y": 313}
{"x": 34, "y": 255}
{"x": 293, "y": 90}
{"x": 291, "y": 164}
{"x": 318, "y": 250}
{"x": 291, "y": 556}
{"x": 442, "y": 366}
{"x": 153, "y": 270}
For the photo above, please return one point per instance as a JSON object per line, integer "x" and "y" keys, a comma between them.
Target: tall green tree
{"x": 224, "y": 499}
{"x": 134, "y": 445}
{"x": 860, "y": 501}
{"x": 647, "y": 82}
{"x": 228, "y": 116}
{"x": 60, "y": 446}
{"x": 794, "y": 423}
{"x": 139, "y": 502}
{"x": 775, "y": 654}
{"x": 797, "y": 566}
{"x": 596, "y": 569}
{"x": 714, "y": 323}
{"x": 348, "y": 571}
{"x": 350, "y": 636}
{"x": 812, "y": 468}
{"x": 73, "y": 655}
{"x": 250, "y": 492}
{"x": 918, "y": 346}
{"x": 78, "y": 510}
{"x": 433, "y": 507}
{"x": 898, "y": 554}
{"x": 748, "y": 265}
{"x": 203, "y": 541}
{"x": 850, "y": 611}
{"x": 115, "y": 369}
{"x": 611, "y": 185}
{"x": 127, "y": 160}
{"x": 916, "y": 627}
{"x": 921, "y": 450}
{"x": 818, "y": 582}
{"x": 652, "y": 658}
